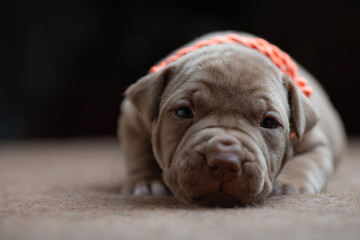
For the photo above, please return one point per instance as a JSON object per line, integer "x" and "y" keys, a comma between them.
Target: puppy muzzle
{"x": 228, "y": 173}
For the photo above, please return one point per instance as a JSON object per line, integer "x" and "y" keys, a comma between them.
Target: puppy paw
{"x": 287, "y": 187}
{"x": 146, "y": 188}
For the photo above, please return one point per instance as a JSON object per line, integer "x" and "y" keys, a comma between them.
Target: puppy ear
{"x": 146, "y": 93}
{"x": 303, "y": 116}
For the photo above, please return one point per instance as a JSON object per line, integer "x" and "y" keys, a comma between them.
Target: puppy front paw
{"x": 282, "y": 187}
{"x": 146, "y": 188}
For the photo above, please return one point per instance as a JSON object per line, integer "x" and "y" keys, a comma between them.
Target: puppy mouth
{"x": 223, "y": 171}
{"x": 217, "y": 199}
{"x": 226, "y": 189}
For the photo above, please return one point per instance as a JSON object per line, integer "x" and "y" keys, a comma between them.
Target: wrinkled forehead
{"x": 226, "y": 64}
{"x": 228, "y": 57}
{"x": 230, "y": 72}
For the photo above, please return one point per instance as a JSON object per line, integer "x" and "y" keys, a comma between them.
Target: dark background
{"x": 64, "y": 64}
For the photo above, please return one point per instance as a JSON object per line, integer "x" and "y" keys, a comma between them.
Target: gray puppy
{"x": 223, "y": 125}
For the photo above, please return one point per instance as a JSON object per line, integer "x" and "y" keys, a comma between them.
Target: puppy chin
{"x": 217, "y": 199}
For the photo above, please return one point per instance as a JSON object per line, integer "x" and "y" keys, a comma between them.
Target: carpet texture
{"x": 70, "y": 190}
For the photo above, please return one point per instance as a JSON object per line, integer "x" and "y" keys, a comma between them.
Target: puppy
{"x": 222, "y": 122}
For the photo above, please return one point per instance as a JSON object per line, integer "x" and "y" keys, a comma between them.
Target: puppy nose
{"x": 224, "y": 156}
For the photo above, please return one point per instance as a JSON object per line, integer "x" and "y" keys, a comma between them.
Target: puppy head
{"x": 222, "y": 118}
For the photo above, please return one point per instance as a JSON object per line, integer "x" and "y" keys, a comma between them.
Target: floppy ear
{"x": 303, "y": 116}
{"x": 146, "y": 93}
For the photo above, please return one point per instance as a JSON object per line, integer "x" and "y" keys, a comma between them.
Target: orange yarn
{"x": 278, "y": 57}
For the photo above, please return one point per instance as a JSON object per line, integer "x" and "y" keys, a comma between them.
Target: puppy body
{"x": 223, "y": 154}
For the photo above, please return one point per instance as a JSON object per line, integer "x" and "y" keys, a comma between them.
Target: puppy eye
{"x": 184, "y": 112}
{"x": 269, "y": 122}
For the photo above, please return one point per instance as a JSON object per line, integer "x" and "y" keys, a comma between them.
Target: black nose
{"x": 224, "y": 156}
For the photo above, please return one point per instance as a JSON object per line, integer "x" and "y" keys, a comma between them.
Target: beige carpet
{"x": 69, "y": 190}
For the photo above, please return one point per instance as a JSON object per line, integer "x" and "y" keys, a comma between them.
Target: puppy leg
{"x": 309, "y": 170}
{"x": 144, "y": 174}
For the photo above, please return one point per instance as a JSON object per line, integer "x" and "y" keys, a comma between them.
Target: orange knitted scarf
{"x": 278, "y": 57}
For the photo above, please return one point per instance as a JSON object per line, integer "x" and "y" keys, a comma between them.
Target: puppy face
{"x": 221, "y": 122}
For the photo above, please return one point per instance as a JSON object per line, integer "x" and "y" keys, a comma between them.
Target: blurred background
{"x": 64, "y": 64}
